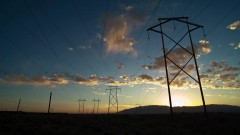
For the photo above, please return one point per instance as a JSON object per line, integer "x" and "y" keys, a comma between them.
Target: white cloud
{"x": 85, "y": 47}
{"x": 129, "y": 7}
{"x": 234, "y": 26}
{"x": 237, "y": 47}
{"x": 118, "y": 37}
{"x": 205, "y": 46}
{"x": 70, "y": 49}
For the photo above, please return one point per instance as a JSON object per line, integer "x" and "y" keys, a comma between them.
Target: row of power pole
{"x": 81, "y": 105}
{"x": 112, "y": 104}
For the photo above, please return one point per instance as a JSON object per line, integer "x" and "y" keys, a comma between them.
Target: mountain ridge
{"x": 156, "y": 109}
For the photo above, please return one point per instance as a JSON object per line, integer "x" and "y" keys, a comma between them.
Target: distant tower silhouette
{"x": 113, "y": 98}
{"x": 79, "y": 106}
{"x": 19, "y": 102}
{"x": 94, "y": 100}
{"x": 190, "y": 51}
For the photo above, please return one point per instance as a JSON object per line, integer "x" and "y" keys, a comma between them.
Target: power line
{"x": 44, "y": 34}
{"x": 85, "y": 26}
{"x": 21, "y": 50}
{"x": 68, "y": 40}
{"x": 223, "y": 18}
{"x": 103, "y": 34}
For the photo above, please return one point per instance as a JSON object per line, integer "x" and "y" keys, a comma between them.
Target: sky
{"x": 77, "y": 49}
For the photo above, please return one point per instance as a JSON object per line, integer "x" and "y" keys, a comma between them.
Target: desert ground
{"x": 18, "y": 123}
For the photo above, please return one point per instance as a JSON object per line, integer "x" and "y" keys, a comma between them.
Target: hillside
{"x": 154, "y": 109}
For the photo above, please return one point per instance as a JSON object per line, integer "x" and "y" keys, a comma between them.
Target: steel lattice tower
{"x": 113, "y": 98}
{"x": 190, "y": 28}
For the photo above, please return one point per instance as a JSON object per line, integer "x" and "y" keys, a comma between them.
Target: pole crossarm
{"x": 179, "y": 19}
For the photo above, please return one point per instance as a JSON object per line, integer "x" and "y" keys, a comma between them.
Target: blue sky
{"x": 76, "y": 49}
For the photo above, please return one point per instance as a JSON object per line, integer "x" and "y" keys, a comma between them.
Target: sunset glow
{"x": 76, "y": 49}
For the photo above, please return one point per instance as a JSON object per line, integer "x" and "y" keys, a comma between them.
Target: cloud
{"x": 234, "y": 26}
{"x": 180, "y": 56}
{"x": 37, "y": 80}
{"x": 70, "y": 49}
{"x": 205, "y": 46}
{"x": 235, "y": 45}
{"x": 118, "y": 30}
{"x": 117, "y": 38}
{"x": 85, "y": 47}
{"x": 221, "y": 75}
{"x": 129, "y": 7}
{"x": 100, "y": 93}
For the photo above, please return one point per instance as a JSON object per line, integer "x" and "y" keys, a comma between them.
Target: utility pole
{"x": 190, "y": 51}
{"x": 79, "y": 105}
{"x": 113, "y": 99}
{"x": 49, "y": 105}
{"x": 19, "y": 102}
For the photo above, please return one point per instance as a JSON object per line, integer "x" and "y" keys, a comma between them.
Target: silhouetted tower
{"x": 94, "y": 100}
{"x": 19, "y": 102}
{"x": 190, "y": 27}
{"x": 98, "y": 105}
{"x": 79, "y": 106}
{"x": 49, "y": 105}
{"x": 94, "y": 106}
{"x": 113, "y": 98}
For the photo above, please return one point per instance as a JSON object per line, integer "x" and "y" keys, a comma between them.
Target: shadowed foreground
{"x": 183, "y": 123}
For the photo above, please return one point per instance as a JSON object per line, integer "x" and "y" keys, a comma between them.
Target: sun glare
{"x": 180, "y": 101}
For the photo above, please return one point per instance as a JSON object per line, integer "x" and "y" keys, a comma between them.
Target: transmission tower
{"x": 113, "y": 99}
{"x": 94, "y": 100}
{"x": 19, "y": 102}
{"x": 190, "y": 28}
{"x": 79, "y": 105}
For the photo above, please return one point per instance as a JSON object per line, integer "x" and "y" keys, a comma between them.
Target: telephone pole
{"x": 113, "y": 98}
{"x": 167, "y": 51}
{"x": 49, "y": 105}
{"x": 19, "y": 102}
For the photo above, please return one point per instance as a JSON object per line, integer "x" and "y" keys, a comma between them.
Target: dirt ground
{"x": 182, "y": 124}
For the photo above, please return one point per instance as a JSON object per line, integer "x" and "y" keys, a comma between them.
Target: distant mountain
{"x": 154, "y": 109}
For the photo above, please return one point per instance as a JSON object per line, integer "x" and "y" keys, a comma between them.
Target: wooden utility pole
{"x": 49, "y": 105}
